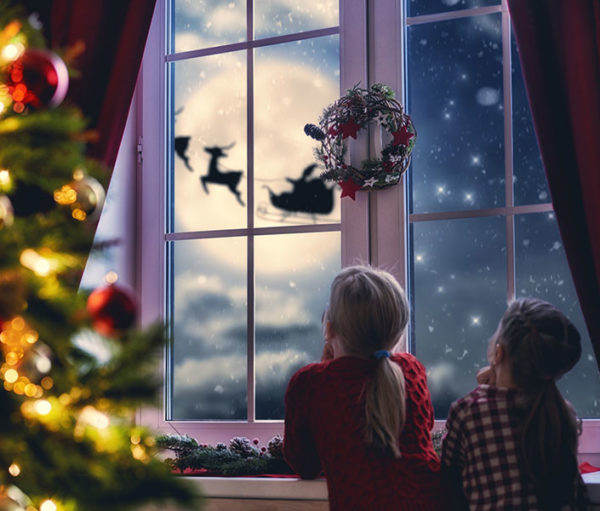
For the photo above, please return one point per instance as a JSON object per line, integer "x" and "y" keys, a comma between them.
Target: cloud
{"x": 215, "y": 387}
{"x": 279, "y": 307}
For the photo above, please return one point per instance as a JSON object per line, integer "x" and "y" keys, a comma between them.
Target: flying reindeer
{"x": 231, "y": 178}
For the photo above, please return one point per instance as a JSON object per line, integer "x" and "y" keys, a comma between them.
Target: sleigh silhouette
{"x": 309, "y": 198}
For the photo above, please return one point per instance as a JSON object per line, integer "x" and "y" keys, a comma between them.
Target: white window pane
{"x": 209, "y": 144}
{"x": 198, "y": 24}
{"x": 293, "y": 275}
{"x": 279, "y": 17}
{"x": 208, "y": 318}
{"x": 455, "y": 97}
{"x": 543, "y": 272}
{"x": 293, "y": 82}
{"x": 459, "y": 295}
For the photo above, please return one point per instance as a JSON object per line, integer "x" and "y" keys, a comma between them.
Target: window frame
{"x": 379, "y": 223}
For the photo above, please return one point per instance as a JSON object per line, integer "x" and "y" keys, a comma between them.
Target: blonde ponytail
{"x": 369, "y": 312}
{"x": 385, "y": 406}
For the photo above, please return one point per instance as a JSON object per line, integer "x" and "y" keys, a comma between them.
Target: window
{"x": 247, "y": 259}
{"x": 482, "y": 228}
{"x": 245, "y": 281}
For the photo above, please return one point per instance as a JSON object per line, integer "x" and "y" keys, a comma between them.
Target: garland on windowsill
{"x": 393, "y": 137}
{"x": 241, "y": 458}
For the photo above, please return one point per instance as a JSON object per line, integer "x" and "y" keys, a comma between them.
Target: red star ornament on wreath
{"x": 350, "y": 128}
{"x": 402, "y": 136}
{"x": 349, "y": 188}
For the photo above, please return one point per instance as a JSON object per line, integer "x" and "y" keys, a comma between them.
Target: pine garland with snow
{"x": 241, "y": 457}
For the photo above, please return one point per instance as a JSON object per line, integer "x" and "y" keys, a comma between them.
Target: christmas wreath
{"x": 394, "y": 139}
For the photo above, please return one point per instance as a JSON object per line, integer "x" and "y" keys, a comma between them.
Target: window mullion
{"x": 251, "y": 386}
{"x": 353, "y": 70}
{"x": 387, "y": 211}
{"x": 508, "y": 154}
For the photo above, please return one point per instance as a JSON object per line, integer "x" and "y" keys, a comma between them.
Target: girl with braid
{"x": 512, "y": 442}
{"x": 363, "y": 415}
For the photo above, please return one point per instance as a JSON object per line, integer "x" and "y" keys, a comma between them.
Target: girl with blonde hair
{"x": 363, "y": 415}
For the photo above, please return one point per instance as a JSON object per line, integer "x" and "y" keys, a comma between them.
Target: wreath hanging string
{"x": 394, "y": 140}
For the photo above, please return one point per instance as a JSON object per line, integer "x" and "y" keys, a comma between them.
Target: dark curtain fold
{"x": 113, "y": 33}
{"x": 559, "y": 47}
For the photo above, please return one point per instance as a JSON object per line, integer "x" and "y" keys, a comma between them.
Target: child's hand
{"x": 327, "y": 352}
{"x": 487, "y": 376}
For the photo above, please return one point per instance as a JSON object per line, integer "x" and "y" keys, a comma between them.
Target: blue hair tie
{"x": 379, "y": 354}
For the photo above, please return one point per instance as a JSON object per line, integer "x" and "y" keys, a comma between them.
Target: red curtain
{"x": 559, "y": 46}
{"x": 113, "y": 33}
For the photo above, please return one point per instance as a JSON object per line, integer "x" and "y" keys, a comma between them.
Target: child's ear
{"x": 499, "y": 355}
{"x": 329, "y": 331}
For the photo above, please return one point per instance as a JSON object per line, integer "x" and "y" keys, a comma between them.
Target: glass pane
{"x": 293, "y": 275}
{"x": 418, "y": 7}
{"x": 293, "y": 82}
{"x": 530, "y": 186}
{"x": 200, "y": 24}
{"x": 209, "y": 145}
{"x": 459, "y": 295}
{"x": 209, "y": 329}
{"x": 279, "y": 17}
{"x": 542, "y": 271}
{"x": 455, "y": 97}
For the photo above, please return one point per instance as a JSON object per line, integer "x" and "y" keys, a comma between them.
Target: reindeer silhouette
{"x": 230, "y": 178}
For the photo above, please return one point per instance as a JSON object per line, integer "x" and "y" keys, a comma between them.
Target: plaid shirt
{"x": 480, "y": 450}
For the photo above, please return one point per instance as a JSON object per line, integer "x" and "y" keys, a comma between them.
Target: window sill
{"x": 262, "y": 488}
{"x": 299, "y": 489}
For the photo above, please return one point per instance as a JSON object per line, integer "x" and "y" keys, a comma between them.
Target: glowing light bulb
{"x": 419, "y": 257}
{"x": 32, "y": 260}
{"x": 4, "y": 177}
{"x": 475, "y": 320}
{"x": 89, "y": 415}
{"x": 10, "y": 52}
{"x": 48, "y": 505}
{"x": 18, "y": 323}
{"x": 111, "y": 277}
{"x": 138, "y": 452}
{"x": 14, "y": 470}
{"x": 11, "y": 376}
{"x": 42, "y": 407}
{"x": 65, "y": 195}
{"x": 12, "y": 358}
{"x": 43, "y": 364}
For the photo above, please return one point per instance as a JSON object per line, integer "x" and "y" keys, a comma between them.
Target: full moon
{"x": 212, "y": 111}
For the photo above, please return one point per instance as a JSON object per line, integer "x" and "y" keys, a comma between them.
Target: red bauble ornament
{"x": 38, "y": 78}
{"x": 112, "y": 310}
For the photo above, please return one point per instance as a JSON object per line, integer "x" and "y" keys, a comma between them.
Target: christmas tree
{"x": 68, "y": 441}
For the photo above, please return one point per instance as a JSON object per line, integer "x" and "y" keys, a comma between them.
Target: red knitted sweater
{"x": 324, "y": 430}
